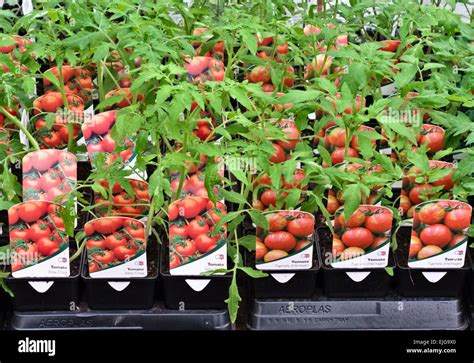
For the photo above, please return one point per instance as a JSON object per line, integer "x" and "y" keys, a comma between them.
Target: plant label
{"x": 39, "y": 245}
{"x": 363, "y": 239}
{"x": 439, "y": 234}
{"x": 116, "y": 248}
{"x": 195, "y": 246}
{"x": 288, "y": 244}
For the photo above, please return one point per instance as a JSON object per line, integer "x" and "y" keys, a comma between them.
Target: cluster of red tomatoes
{"x": 36, "y": 231}
{"x": 368, "y": 228}
{"x": 123, "y": 203}
{"x": 335, "y": 142}
{"x": 320, "y": 65}
{"x": 438, "y": 226}
{"x": 267, "y": 197}
{"x": 201, "y": 69}
{"x": 283, "y": 148}
{"x": 6, "y": 126}
{"x": 48, "y": 174}
{"x": 191, "y": 229}
{"x": 335, "y": 200}
{"x": 431, "y": 136}
{"x": 96, "y": 133}
{"x": 113, "y": 240}
{"x": 272, "y": 49}
{"x": 289, "y": 232}
{"x": 193, "y": 184}
{"x": 414, "y": 192}
{"x": 126, "y": 100}
{"x": 58, "y": 135}
{"x": 77, "y": 81}
{"x": 217, "y": 50}
{"x": 17, "y": 42}
{"x": 204, "y": 125}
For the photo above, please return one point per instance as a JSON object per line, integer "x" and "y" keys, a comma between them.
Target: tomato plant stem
{"x": 18, "y": 124}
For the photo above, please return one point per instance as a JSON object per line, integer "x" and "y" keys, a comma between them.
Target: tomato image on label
{"x": 132, "y": 202}
{"x": 439, "y": 227}
{"x": 36, "y": 233}
{"x": 266, "y": 198}
{"x": 192, "y": 232}
{"x": 96, "y": 131}
{"x": 366, "y": 231}
{"x": 77, "y": 81}
{"x": 48, "y": 175}
{"x": 112, "y": 242}
{"x": 289, "y": 237}
{"x": 66, "y": 119}
{"x": 419, "y": 186}
{"x": 334, "y": 197}
{"x": 193, "y": 184}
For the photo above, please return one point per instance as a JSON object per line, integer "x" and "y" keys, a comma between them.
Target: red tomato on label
{"x": 458, "y": 219}
{"x": 436, "y": 234}
{"x": 280, "y": 241}
{"x": 38, "y": 230}
{"x": 124, "y": 253}
{"x": 47, "y": 245}
{"x": 301, "y": 226}
{"x": 379, "y": 222}
{"x": 186, "y": 247}
{"x": 358, "y": 237}
{"x": 30, "y": 212}
{"x": 203, "y": 242}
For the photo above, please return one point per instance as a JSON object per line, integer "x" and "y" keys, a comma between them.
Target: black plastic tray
{"x": 139, "y": 294}
{"x": 178, "y": 294}
{"x": 155, "y": 318}
{"x": 338, "y": 283}
{"x": 413, "y": 281}
{"x": 301, "y": 283}
{"x": 389, "y": 313}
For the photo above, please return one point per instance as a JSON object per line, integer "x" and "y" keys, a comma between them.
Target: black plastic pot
{"x": 413, "y": 282}
{"x": 83, "y": 170}
{"x": 35, "y": 294}
{"x": 179, "y": 292}
{"x": 122, "y": 293}
{"x": 339, "y": 282}
{"x": 283, "y": 283}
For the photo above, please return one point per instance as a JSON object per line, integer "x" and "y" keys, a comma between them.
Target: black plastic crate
{"x": 133, "y": 293}
{"x": 283, "y": 283}
{"x": 61, "y": 294}
{"x": 413, "y": 282}
{"x": 350, "y": 283}
{"x": 179, "y": 294}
